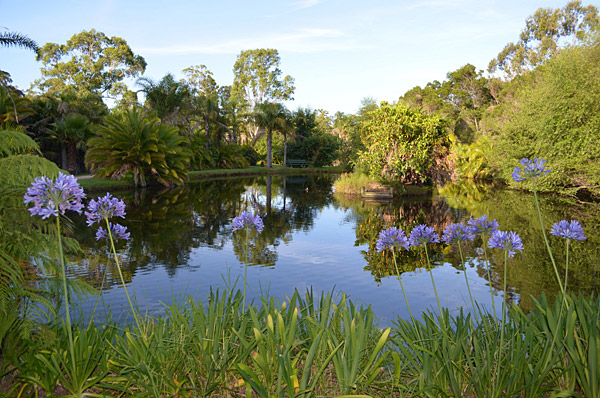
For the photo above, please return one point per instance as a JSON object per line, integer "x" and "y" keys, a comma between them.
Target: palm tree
{"x": 207, "y": 107}
{"x": 271, "y": 117}
{"x": 13, "y": 105}
{"x": 287, "y": 129}
{"x": 130, "y": 144}
{"x": 8, "y": 39}
{"x": 71, "y": 131}
{"x": 168, "y": 97}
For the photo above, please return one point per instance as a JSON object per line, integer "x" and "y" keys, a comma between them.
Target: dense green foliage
{"x": 140, "y": 147}
{"x": 556, "y": 117}
{"x": 89, "y": 62}
{"x": 404, "y": 145}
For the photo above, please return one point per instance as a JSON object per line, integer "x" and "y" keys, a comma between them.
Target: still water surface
{"x": 182, "y": 246}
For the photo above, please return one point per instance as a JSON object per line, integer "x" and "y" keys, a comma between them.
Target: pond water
{"x": 182, "y": 246}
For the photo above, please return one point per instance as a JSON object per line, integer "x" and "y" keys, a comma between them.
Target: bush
{"x": 250, "y": 154}
{"x": 556, "y": 117}
{"x": 133, "y": 145}
{"x": 404, "y": 145}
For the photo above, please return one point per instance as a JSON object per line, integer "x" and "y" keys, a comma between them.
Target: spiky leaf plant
{"x": 131, "y": 144}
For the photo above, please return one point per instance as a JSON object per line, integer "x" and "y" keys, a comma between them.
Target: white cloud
{"x": 307, "y": 40}
{"x": 306, "y": 4}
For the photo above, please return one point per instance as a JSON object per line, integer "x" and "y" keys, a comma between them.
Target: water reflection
{"x": 182, "y": 241}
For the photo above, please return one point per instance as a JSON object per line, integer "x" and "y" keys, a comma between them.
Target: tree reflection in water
{"x": 169, "y": 228}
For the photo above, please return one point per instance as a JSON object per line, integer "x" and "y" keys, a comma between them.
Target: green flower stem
{"x": 487, "y": 261}
{"x": 246, "y": 267}
{"x": 467, "y": 280}
{"x": 402, "y": 286}
{"x": 98, "y": 298}
{"x": 567, "y": 265}
{"x": 67, "y": 309}
{"x": 112, "y": 245}
{"x": 500, "y": 347}
{"x": 432, "y": 281}
{"x": 537, "y": 205}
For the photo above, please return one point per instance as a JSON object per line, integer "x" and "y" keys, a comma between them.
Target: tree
{"x": 207, "y": 107}
{"x": 71, "y": 131}
{"x": 258, "y": 79}
{"x": 545, "y": 33}
{"x": 200, "y": 80}
{"x": 131, "y": 144}
{"x": 271, "y": 117}
{"x": 9, "y": 39}
{"x": 62, "y": 123}
{"x": 404, "y": 145}
{"x": 234, "y": 109}
{"x": 89, "y": 62}
{"x": 13, "y": 106}
{"x": 168, "y": 97}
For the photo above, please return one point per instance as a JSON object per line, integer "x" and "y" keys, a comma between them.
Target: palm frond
{"x": 9, "y": 39}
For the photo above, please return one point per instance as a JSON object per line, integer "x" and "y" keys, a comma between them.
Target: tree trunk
{"x": 206, "y": 131}
{"x": 284, "y": 193}
{"x": 284, "y": 149}
{"x": 63, "y": 155}
{"x": 72, "y": 157}
{"x": 269, "y": 147}
{"x": 269, "y": 184}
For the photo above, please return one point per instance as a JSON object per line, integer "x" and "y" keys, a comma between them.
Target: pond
{"x": 182, "y": 246}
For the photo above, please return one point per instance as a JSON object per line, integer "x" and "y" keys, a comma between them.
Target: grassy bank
{"x": 310, "y": 346}
{"x": 98, "y": 184}
{"x": 351, "y": 184}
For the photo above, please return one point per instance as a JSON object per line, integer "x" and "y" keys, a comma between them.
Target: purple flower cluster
{"x": 422, "y": 235}
{"x": 390, "y": 238}
{"x": 568, "y": 230}
{"x": 104, "y": 208}
{"x": 457, "y": 232}
{"x": 507, "y": 241}
{"x": 50, "y": 197}
{"x": 531, "y": 169}
{"x": 483, "y": 226}
{"x": 247, "y": 220}
{"x": 117, "y": 231}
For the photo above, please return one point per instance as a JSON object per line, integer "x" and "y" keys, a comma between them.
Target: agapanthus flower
{"x": 50, "y": 197}
{"x": 422, "y": 235}
{"x": 507, "y": 241}
{"x": 247, "y": 220}
{"x": 457, "y": 232}
{"x": 568, "y": 230}
{"x": 117, "y": 231}
{"x": 390, "y": 238}
{"x": 531, "y": 169}
{"x": 482, "y": 226}
{"x": 103, "y": 208}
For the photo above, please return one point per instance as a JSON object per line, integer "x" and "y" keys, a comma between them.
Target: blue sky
{"x": 338, "y": 51}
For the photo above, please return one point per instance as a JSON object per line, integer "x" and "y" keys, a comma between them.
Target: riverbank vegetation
{"x": 539, "y": 98}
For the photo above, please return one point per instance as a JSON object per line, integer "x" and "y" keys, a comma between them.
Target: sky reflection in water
{"x": 182, "y": 245}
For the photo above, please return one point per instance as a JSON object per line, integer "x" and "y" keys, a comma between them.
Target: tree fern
{"x": 14, "y": 142}
{"x": 20, "y": 170}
